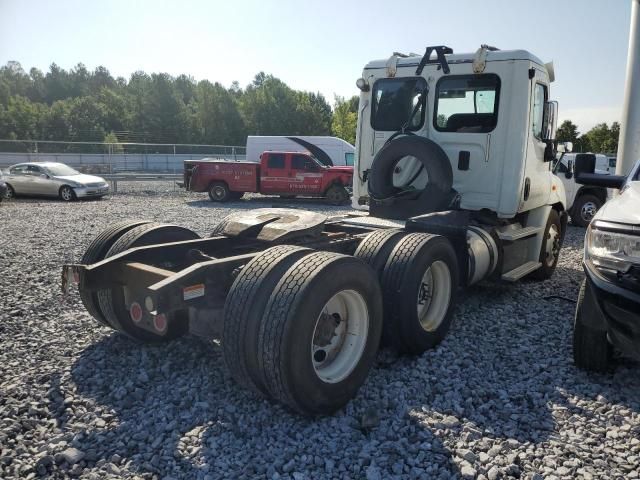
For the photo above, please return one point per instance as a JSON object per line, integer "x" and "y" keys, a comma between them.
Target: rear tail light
{"x": 160, "y": 323}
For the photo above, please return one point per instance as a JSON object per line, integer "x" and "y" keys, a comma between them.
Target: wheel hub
{"x": 587, "y": 211}
{"x": 552, "y": 245}
{"x": 434, "y": 295}
{"x": 339, "y": 336}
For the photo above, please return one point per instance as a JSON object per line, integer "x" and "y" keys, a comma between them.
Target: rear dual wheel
{"x": 310, "y": 334}
{"x": 96, "y": 252}
{"x": 418, "y": 274}
{"x": 115, "y": 306}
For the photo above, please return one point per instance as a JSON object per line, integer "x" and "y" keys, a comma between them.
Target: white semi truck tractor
{"x": 453, "y": 163}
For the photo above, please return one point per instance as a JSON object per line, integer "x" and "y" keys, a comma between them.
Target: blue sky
{"x": 323, "y": 45}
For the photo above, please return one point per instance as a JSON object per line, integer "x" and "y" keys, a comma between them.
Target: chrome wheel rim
{"x": 340, "y": 336}
{"x": 587, "y": 211}
{"x": 9, "y": 193}
{"x": 434, "y": 296}
{"x": 552, "y": 247}
{"x": 66, "y": 194}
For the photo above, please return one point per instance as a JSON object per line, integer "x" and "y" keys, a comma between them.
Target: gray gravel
{"x": 500, "y": 398}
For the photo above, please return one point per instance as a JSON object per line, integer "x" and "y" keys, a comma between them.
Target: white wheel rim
{"x": 552, "y": 246}
{"x": 340, "y": 336}
{"x": 218, "y": 192}
{"x": 434, "y": 296}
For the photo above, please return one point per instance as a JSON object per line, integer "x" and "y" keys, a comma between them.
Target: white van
{"x": 327, "y": 150}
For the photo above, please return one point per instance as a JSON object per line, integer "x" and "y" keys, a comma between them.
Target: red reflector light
{"x": 135, "y": 312}
{"x": 160, "y": 322}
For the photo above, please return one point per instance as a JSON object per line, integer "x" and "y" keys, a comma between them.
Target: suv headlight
{"x": 612, "y": 250}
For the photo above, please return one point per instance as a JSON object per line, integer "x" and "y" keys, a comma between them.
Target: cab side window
{"x": 302, "y": 162}
{"x": 275, "y": 160}
{"x": 539, "y": 98}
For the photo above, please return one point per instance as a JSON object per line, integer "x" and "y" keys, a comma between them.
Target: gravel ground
{"x": 498, "y": 398}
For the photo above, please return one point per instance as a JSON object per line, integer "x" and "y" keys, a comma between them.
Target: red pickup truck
{"x": 287, "y": 174}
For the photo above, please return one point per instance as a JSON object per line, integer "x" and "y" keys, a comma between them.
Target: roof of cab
{"x": 492, "y": 56}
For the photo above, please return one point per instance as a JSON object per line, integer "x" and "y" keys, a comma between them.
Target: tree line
{"x": 600, "y": 139}
{"x": 93, "y": 106}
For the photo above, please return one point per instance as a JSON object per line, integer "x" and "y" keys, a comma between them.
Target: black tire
{"x": 548, "y": 264}
{"x": 219, "y": 192}
{"x": 591, "y": 348}
{"x": 337, "y": 195}
{"x": 97, "y": 251}
{"x": 112, "y": 301}
{"x": 376, "y": 247}
{"x": 288, "y": 329}
{"x": 11, "y": 193}
{"x": 67, "y": 194}
{"x": 244, "y": 308}
{"x": 584, "y": 208}
{"x": 287, "y": 197}
{"x": 404, "y": 292}
{"x": 434, "y": 160}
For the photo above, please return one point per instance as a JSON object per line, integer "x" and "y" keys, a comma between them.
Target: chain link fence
{"x": 98, "y": 157}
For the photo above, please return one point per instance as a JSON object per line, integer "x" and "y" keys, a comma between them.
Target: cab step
{"x": 519, "y": 272}
{"x": 513, "y": 234}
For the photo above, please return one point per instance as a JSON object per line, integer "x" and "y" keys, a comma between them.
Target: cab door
{"x": 305, "y": 175}
{"x": 274, "y": 175}
{"x": 537, "y": 177}
{"x": 467, "y": 121}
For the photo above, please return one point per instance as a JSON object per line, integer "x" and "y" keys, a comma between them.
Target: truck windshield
{"x": 394, "y": 100}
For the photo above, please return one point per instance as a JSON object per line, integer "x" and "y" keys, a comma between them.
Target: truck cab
{"x": 490, "y": 113}
{"x": 472, "y": 133}
{"x": 295, "y": 173}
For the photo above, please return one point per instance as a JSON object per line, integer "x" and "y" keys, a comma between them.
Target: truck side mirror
{"x": 585, "y": 167}
{"x": 551, "y": 120}
{"x": 569, "y": 172}
{"x": 584, "y": 163}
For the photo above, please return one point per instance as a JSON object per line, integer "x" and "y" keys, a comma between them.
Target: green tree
{"x": 602, "y": 139}
{"x": 567, "y": 132}
{"x": 345, "y": 119}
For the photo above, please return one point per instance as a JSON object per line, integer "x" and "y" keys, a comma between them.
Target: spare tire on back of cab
{"x": 389, "y": 201}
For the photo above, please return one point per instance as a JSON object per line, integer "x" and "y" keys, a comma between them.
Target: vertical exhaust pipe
{"x": 629, "y": 141}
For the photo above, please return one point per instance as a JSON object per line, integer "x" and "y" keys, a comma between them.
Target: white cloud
{"x": 587, "y": 118}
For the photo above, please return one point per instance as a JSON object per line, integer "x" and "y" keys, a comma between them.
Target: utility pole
{"x": 629, "y": 141}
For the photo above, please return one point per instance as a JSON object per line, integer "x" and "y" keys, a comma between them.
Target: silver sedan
{"x": 54, "y": 180}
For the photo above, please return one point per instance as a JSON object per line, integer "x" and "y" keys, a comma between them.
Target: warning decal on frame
{"x": 194, "y": 291}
